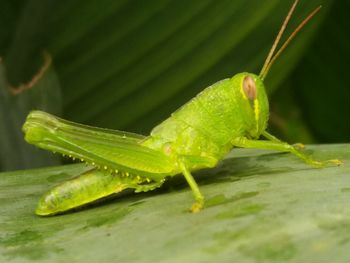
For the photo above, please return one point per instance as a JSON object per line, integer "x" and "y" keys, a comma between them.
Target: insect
{"x": 230, "y": 113}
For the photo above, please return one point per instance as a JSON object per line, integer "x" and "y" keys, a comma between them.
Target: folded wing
{"x": 106, "y": 149}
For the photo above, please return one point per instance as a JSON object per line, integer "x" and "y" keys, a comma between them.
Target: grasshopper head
{"x": 254, "y": 103}
{"x": 252, "y": 87}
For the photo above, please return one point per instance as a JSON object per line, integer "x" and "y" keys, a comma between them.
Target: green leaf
{"x": 129, "y": 64}
{"x": 320, "y": 83}
{"x": 44, "y": 94}
{"x": 27, "y": 82}
{"x": 261, "y": 207}
{"x": 135, "y": 62}
{"x": 312, "y": 104}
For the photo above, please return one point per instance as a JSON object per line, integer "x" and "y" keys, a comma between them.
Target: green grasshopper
{"x": 230, "y": 113}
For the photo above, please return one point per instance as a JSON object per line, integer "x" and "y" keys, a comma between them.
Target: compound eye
{"x": 249, "y": 88}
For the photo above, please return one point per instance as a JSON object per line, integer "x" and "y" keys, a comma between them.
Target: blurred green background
{"x": 128, "y": 64}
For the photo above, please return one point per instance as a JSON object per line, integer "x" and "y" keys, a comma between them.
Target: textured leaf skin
{"x": 261, "y": 207}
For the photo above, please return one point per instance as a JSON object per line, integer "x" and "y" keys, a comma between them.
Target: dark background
{"x": 128, "y": 64}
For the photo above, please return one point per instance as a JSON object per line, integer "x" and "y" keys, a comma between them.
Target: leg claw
{"x": 299, "y": 146}
{"x": 196, "y": 207}
{"x": 333, "y": 162}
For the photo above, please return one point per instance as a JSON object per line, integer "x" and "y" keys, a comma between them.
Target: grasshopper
{"x": 230, "y": 113}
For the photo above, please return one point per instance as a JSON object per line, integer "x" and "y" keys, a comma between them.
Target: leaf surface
{"x": 261, "y": 206}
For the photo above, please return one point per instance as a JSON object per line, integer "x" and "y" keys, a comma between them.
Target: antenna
{"x": 271, "y": 58}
